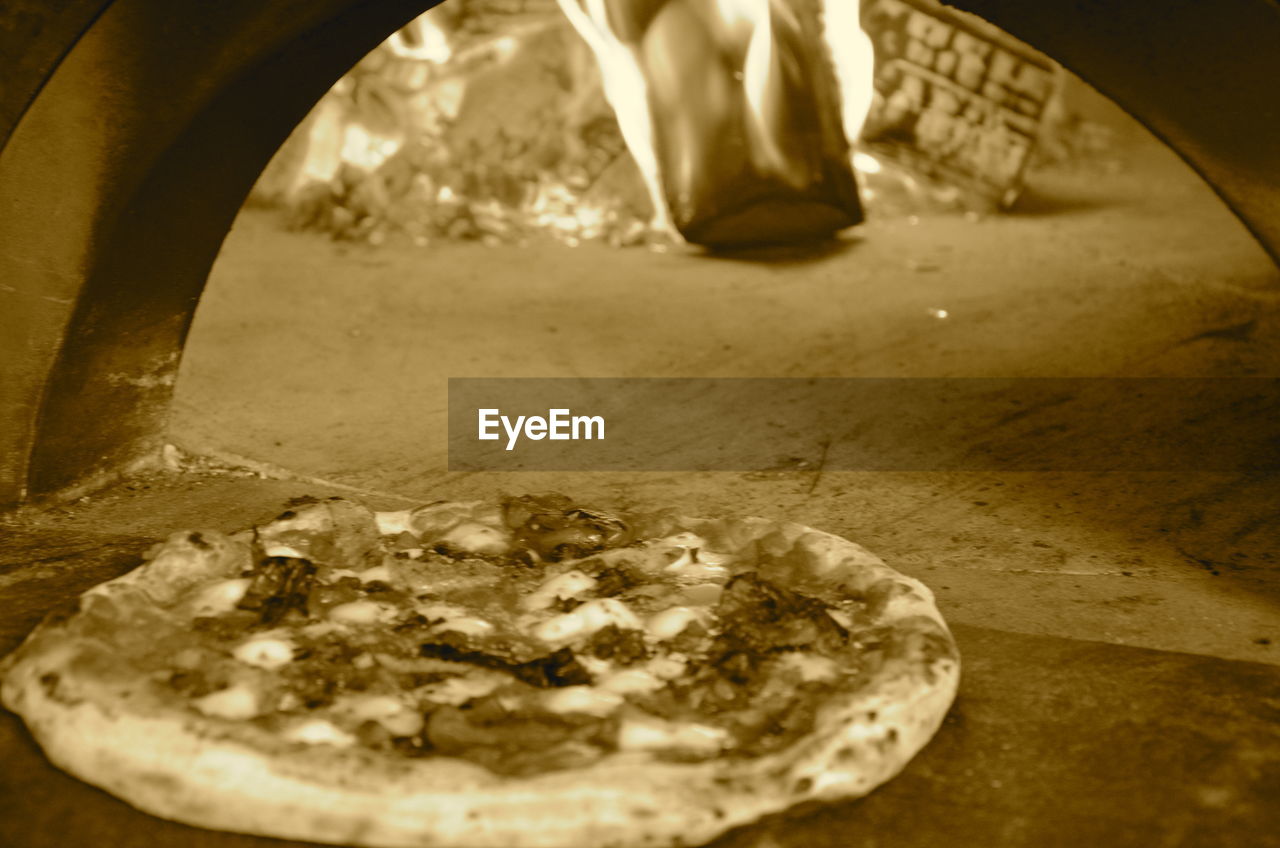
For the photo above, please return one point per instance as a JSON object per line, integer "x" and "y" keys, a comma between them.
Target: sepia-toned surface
{"x": 330, "y": 361}
{"x": 1052, "y": 741}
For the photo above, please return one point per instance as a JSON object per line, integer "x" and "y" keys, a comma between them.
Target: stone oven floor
{"x": 1121, "y": 631}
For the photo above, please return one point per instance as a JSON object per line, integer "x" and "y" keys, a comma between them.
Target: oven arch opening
{"x": 135, "y": 142}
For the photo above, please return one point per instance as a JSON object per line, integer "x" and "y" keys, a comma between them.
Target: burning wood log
{"x": 732, "y": 110}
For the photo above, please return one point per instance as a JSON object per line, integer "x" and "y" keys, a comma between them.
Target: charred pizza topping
{"x": 622, "y": 645}
{"x": 559, "y": 668}
{"x": 760, "y": 617}
{"x": 538, "y": 636}
{"x": 279, "y": 584}
{"x": 616, "y": 579}
{"x": 554, "y": 529}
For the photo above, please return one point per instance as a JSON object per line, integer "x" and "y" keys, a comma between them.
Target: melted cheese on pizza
{"x": 522, "y": 644}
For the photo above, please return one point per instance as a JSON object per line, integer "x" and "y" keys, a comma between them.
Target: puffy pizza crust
{"x": 98, "y": 724}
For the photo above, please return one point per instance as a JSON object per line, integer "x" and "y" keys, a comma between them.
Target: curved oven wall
{"x": 118, "y": 184}
{"x": 133, "y": 130}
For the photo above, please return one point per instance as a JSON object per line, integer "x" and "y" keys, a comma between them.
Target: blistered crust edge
{"x": 170, "y": 766}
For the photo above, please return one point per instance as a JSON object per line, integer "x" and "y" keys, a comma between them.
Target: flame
{"x": 748, "y": 45}
{"x": 865, "y": 163}
{"x": 628, "y": 93}
{"x": 421, "y": 40}
{"x": 365, "y": 149}
{"x": 743, "y": 32}
{"x": 336, "y": 135}
{"x": 762, "y": 84}
{"x": 853, "y": 59}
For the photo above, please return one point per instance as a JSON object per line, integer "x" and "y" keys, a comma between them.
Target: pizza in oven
{"x": 522, "y": 673}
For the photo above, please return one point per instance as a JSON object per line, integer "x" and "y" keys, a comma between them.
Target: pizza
{"x": 528, "y": 672}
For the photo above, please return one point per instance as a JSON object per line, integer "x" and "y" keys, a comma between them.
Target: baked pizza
{"x": 522, "y": 673}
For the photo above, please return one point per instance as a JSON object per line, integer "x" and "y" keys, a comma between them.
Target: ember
{"x": 495, "y": 129}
